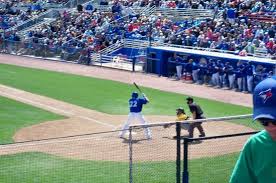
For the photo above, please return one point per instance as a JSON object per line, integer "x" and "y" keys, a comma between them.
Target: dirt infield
{"x": 84, "y": 121}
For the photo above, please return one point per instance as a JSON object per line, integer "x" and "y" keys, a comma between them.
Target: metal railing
{"x": 74, "y": 3}
{"x": 133, "y": 43}
{"x": 45, "y": 21}
{"x": 112, "y": 48}
{"x": 183, "y": 13}
{"x": 48, "y": 14}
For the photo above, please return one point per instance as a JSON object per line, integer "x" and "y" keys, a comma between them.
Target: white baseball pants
{"x": 140, "y": 118}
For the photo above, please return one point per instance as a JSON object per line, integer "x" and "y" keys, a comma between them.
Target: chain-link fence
{"x": 153, "y": 160}
{"x": 212, "y": 159}
{"x": 97, "y": 158}
{"x": 104, "y": 157}
{"x": 209, "y": 159}
{"x": 73, "y": 54}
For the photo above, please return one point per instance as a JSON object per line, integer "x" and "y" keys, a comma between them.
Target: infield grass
{"x": 40, "y": 167}
{"x": 15, "y": 115}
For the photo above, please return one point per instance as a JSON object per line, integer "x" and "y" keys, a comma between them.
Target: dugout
{"x": 158, "y": 59}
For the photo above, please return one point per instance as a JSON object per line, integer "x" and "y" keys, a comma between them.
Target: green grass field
{"x": 48, "y": 168}
{"x": 15, "y": 115}
{"x": 101, "y": 95}
{"x": 104, "y": 95}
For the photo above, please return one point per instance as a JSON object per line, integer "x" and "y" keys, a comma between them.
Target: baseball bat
{"x": 138, "y": 88}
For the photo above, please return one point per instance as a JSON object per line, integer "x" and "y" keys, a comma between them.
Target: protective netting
{"x": 104, "y": 157}
{"x": 154, "y": 160}
{"x": 212, "y": 161}
{"x": 209, "y": 160}
{"x": 90, "y": 158}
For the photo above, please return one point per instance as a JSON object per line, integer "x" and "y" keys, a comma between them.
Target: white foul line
{"x": 99, "y": 122}
{"x": 36, "y": 103}
{"x": 55, "y": 109}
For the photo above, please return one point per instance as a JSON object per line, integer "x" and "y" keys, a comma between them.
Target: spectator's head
{"x": 264, "y": 104}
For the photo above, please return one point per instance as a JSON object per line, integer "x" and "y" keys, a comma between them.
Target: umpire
{"x": 197, "y": 113}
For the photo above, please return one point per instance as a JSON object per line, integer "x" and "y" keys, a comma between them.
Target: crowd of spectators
{"x": 94, "y": 30}
{"x": 11, "y": 14}
{"x": 243, "y": 27}
{"x": 15, "y": 12}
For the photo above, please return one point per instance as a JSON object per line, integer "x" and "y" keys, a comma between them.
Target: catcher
{"x": 180, "y": 116}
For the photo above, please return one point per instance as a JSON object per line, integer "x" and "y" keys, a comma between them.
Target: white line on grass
{"x": 99, "y": 122}
{"x": 35, "y": 103}
{"x": 54, "y": 108}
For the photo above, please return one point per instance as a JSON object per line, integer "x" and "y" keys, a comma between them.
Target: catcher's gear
{"x": 180, "y": 110}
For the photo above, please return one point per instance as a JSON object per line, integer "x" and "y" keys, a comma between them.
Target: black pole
{"x": 130, "y": 156}
{"x": 133, "y": 63}
{"x": 150, "y": 34}
{"x": 178, "y": 152}
{"x": 185, "y": 174}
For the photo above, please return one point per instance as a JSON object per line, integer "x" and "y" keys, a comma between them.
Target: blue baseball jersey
{"x": 136, "y": 104}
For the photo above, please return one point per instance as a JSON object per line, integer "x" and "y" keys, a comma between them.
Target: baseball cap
{"x": 264, "y": 99}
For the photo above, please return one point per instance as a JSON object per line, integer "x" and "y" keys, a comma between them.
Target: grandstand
{"x": 124, "y": 35}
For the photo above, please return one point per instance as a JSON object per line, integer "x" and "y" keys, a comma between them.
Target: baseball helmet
{"x": 134, "y": 95}
{"x": 264, "y": 99}
{"x": 180, "y": 109}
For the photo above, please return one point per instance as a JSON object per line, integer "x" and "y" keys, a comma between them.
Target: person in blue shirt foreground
{"x": 257, "y": 161}
{"x": 135, "y": 107}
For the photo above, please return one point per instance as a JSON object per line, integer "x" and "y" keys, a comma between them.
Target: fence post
{"x": 133, "y": 63}
{"x": 178, "y": 152}
{"x": 101, "y": 59}
{"x": 185, "y": 175}
{"x": 130, "y": 155}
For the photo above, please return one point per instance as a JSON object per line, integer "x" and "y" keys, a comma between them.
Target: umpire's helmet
{"x": 134, "y": 95}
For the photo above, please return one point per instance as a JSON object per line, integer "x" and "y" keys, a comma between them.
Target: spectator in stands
{"x": 89, "y": 7}
{"x": 270, "y": 45}
{"x": 231, "y": 14}
{"x": 103, "y": 2}
{"x": 116, "y": 7}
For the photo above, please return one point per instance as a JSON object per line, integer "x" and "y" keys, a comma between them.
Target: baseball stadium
{"x": 91, "y": 91}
